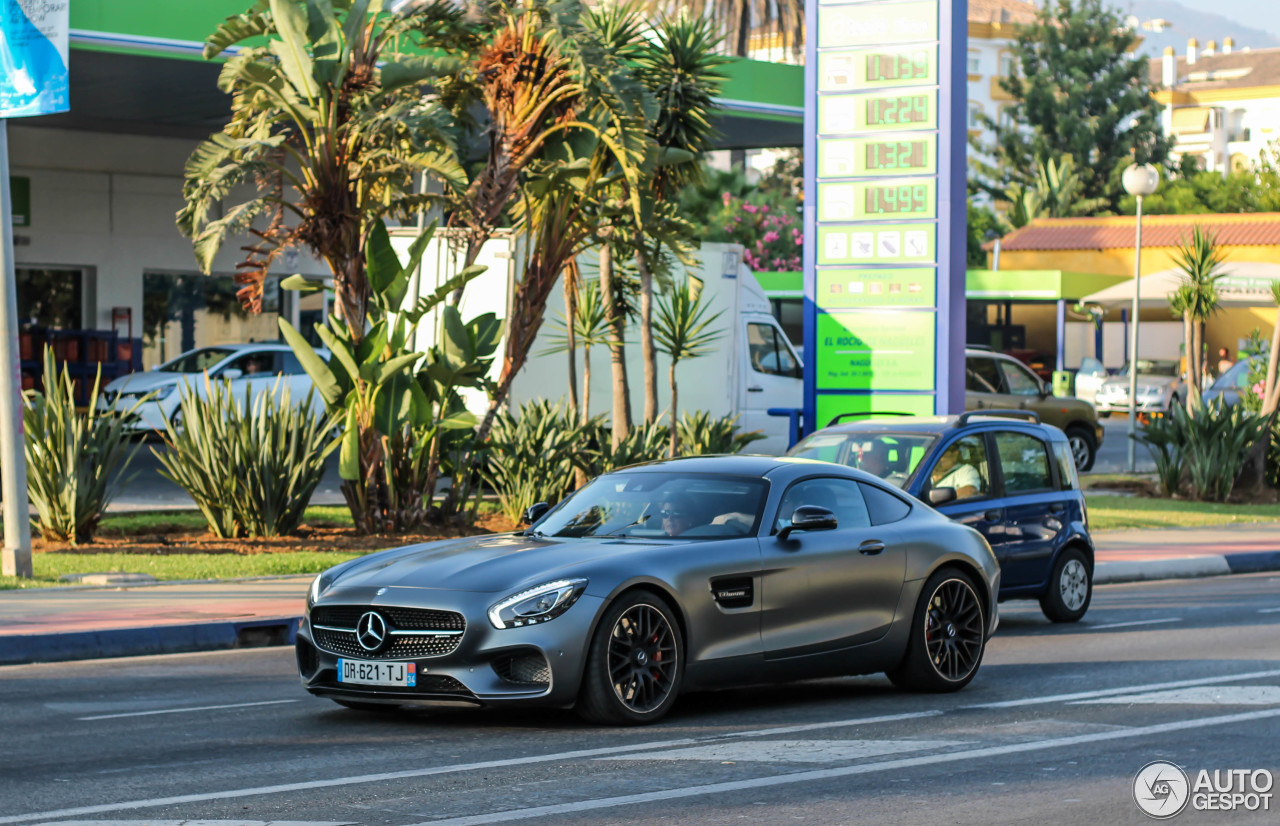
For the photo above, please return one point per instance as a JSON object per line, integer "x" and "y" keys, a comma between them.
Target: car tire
{"x": 948, "y": 636}
{"x": 1084, "y": 446}
{"x": 1070, "y": 587}
{"x": 634, "y": 663}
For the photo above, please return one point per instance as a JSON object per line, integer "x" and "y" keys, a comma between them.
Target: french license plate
{"x": 366, "y": 673}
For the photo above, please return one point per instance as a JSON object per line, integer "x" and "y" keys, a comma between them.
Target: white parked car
{"x": 1160, "y": 387}
{"x": 253, "y": 369}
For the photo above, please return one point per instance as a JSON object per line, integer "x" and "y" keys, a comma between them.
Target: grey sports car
{"x": 697, "y": 573}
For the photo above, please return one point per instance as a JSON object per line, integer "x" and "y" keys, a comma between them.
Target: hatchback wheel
{"x": 1070, "y": 588}
{"x": 948, "y": 636}
{"x": 634, "y": 663}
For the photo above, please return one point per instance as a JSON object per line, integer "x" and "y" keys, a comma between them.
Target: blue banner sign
{"x": 33, "y": 57}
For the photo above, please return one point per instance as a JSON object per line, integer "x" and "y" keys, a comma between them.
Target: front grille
{"x": 524, "y": 669}
{"x": 440, "y": 684}
{"x": 333, "y": 627}
{"x": 404, "y": 619}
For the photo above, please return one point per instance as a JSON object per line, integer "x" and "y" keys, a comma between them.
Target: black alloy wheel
{"x": 948, "y": 636}
{"x": 634, "y": 662}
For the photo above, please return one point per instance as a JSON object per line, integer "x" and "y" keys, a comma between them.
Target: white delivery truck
{"x": 751, "y": 368}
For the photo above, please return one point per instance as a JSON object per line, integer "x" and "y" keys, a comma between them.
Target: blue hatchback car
{"x": 1001, "y": 472}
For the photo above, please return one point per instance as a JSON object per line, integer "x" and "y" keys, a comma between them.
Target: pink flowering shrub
{"x": 770, "y": 233}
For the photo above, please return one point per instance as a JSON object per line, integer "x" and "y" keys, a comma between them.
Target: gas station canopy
{"x": 1243, "y": 284}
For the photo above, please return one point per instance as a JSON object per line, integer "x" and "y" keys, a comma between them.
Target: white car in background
{"x": 252, "y": 369}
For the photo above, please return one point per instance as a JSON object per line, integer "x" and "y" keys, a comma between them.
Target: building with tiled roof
{"x": 1221, "y": 105}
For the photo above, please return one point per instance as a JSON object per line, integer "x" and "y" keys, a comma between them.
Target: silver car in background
{"x": 1160, "y": 386}
{"x": 253, "y": 369}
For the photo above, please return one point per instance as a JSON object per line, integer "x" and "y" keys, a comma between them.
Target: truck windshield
{"x": 659, "y": 506}
{"x": 891, "y": 456}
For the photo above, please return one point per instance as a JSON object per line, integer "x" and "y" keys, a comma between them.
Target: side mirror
{"x": 534, "y": 513}
{"x": 231, "y": 373}
{"x": 809, "y": 518}
{"x": 941, "y": 496}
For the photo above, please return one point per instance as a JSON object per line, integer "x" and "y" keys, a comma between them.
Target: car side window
{"x": 1068, "y": 479}
{"x": 1020, "y": 380}
{"x": 842, "y": 497}
{"x": 768, "y": 354}
{"x": 982, "y": 376}
{"x": 963, "y": 466}
{"x": 1024, "y": 463}
{"x": 254, "y": 364}
{"x": 883, "y": 506}
{"x": 290, "y": 365}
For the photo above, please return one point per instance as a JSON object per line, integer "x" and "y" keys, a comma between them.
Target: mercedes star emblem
{"x": 371, "y": 631}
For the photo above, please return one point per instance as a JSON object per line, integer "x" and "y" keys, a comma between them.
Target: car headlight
{"x": 541, "y": 604}
{"x": 318, "y": 586}
{"x": 165, "y": 392}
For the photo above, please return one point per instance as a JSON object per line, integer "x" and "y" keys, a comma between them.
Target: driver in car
{"x": 950, "y": 472}
{"x": 676, "y": 519}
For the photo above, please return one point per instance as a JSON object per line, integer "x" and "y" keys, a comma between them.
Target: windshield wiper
{"x": 643, "y": 517}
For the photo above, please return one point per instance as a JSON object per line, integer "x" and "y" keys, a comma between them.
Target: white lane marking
{"x": 1269, "y": 610}
{"x": 1234, "y": 695}
{"x": 848, "y": 771}
{"x": 185, "y": 710}
{"x": 795, "y": 751}
{"x": 1130, "y": 624}
{"x": 457, "y": 767}
{"x": 1133, "y": 689}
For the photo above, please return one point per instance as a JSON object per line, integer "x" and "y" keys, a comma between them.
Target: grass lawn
{"x": 1108, "y": 513}
{"x": 49, "y": 567}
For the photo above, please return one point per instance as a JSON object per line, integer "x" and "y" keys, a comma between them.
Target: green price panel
{"x": 906, "y": 154}
{"x": 863, "y": 69}
{"x": 878, "y": 244}
{"x": 831, "y": 405}
{"x": 876, "y": 350}
{"x": 880, "y": 200}
{"x": 892, "y": 287}
{"x": 877, "y": 25}
{"x": 843, "y": 114}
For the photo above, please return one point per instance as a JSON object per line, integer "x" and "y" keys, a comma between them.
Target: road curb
{"x": 1189, "y": 567}
{"x": 18, "y": 649}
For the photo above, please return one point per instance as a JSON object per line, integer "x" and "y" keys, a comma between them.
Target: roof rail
{"x": 1029, "y": 415}
{"x": 867, "y": 415}
{"x": 986, "y": 347}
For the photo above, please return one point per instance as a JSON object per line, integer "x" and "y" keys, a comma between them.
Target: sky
{"x": 1258, "y": 14}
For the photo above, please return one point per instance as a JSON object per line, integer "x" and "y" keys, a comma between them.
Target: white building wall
{"x": 107, "y": 202}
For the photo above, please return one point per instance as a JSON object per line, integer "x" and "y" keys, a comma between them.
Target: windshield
{"x": 197, "y": 361}
{"x": 1235, "y": 378}
{"x": 659, "y": 506}
{"x": 891, "y": 456}
{"x": 1150, "y": 367}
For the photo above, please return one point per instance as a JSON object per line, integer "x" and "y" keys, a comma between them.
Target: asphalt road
{"x": 1053, "y": 730}
{"x": 1113, "y": 453}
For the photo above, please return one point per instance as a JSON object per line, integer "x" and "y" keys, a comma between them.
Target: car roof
{"x": 253, "y": 345}
{"x": 929, "y": 425}
{"x": 732, "y": 464}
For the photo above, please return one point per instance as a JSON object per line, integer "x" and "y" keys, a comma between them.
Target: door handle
{"x": 755, "y": 389}
{"x": 871, "y": 547}
{"x": 992, "y": 516}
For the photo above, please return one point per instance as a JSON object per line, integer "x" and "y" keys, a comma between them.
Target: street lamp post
{"x": 1139, "y": 181}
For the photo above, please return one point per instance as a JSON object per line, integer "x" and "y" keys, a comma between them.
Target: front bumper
{"x": 1146, "y": 404}
{"x": 488, "y": 666}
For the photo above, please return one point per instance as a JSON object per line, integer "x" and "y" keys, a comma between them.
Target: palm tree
{"x": 588, "y": 330}
{"x": 681, "y": 328}
{"x": 1271, "y": 394}
{"x": 734, "y": 20}
{"x": 328, "y": 129}
{"x": 1196, "y": 299}
{"x": 680, "y": 69}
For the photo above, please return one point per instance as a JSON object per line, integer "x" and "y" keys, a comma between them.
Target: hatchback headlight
{"x": 537, "y": 605}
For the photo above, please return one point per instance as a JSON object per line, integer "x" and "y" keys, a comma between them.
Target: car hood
{"x": 486, "y": 564}
{"x": 143, "y": 382}
{"x": 1143, "y": 381}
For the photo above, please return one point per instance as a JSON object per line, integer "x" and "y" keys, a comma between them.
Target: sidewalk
{"x": 49, "y": 624}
